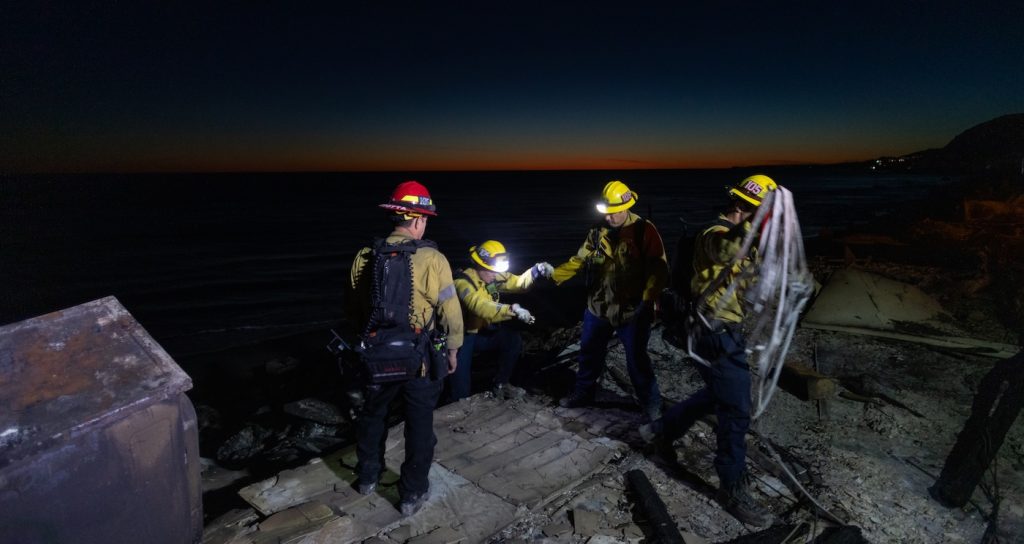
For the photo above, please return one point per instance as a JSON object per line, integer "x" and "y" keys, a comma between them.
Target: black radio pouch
{"x": 437, "y": 348}
{"x": 391, "y": 355}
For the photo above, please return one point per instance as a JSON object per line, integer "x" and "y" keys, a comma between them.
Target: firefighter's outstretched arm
{"x": 480, "y": 303}
{"x": 568, "y": 269}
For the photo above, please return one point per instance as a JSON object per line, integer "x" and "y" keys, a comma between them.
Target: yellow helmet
{"x": 490, "y": 255}
{"x": 616, "y": 197}
{"x": 754, "y": 188}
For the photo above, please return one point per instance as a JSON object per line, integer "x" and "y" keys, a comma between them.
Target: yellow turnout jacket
{"x": 715, "y": 248}
{"x": 481, "y": 304}
{"x": 628, "y": 266}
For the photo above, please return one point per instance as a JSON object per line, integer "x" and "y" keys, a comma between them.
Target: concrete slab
{"x": 859, "y": 302}
{"x": 558, "y": 530}
{"x": 858, "y": 298}
{"x": 585, "y": 522}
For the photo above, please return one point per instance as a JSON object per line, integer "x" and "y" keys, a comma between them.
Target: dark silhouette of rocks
{"x": 995, "y": 146}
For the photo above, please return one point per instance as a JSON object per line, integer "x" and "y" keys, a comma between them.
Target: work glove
{"x": 523, "y": 314}
{"x": 542, "y": 269}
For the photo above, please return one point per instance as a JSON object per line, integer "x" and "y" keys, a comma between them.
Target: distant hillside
{"x": 991, "y": 142}
{"x": 993, "y": 145}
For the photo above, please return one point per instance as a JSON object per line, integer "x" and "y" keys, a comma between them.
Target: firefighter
{"x": 719, "y": 340}
{"x": 479, "y": 289}
{"x": 434, "y": 304}
{"x": 626, "y": 269}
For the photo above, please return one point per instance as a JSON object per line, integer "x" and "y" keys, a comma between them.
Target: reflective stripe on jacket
{"x": 480, "y": 307}
{"x": 627, "y": 268}
{"x": 432, "y": 286}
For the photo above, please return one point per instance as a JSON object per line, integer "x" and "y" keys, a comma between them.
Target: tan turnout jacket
{"x": 432, "y": 286}
{"x": 715, "y": 248}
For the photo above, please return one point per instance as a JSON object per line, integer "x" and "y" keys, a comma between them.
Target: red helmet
{"x": 411, "y": 199}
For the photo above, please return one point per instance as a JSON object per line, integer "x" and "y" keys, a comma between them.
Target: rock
{"x": 315, "y": 410}
{"x": 244, "y": 445}
{"x": 283, "y": 365}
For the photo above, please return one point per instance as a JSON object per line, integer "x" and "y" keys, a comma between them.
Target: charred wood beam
{"x": 664, "y": 528}
{"x": 996, "y": 406}
{"x": 805, "y": 383}
{"x": 625, "y": 384}
{"x": 776, "y": 534}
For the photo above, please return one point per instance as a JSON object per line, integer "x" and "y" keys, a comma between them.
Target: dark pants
{"x": 726, "y": 394}
{"x": 594, "y": 349}
{"x": 503, "y": 340}
{"x": 420, "y": 396}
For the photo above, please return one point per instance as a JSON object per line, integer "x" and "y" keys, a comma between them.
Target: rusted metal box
{"x": 98, "y": 442}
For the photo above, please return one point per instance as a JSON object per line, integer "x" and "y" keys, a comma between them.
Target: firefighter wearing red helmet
{"x": 434, "y": 305}
{"x": 410, "y": 200}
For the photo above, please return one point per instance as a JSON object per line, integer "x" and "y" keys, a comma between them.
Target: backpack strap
{"x": 385, "y": 311}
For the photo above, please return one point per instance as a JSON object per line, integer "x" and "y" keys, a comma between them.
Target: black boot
{"x": 663, "y": 447}
{"x": 577, "y": 400}
{"x": 411, "y": 505}
{"x": 736, "y": 500}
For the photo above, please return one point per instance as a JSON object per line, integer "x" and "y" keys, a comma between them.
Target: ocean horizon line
{"x": 430, "y": 170}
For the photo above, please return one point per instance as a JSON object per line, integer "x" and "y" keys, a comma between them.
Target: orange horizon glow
{"x": 265, "y": 163}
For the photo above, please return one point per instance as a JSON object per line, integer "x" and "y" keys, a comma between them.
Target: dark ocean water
{"x": 211, "y": 261}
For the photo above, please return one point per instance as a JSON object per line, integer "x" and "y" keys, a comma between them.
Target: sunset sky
{"x": 239, "y": 86}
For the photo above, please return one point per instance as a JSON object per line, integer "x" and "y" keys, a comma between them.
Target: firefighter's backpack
{"x": 391, "y": 349}
{"x": 678, "y": 303}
